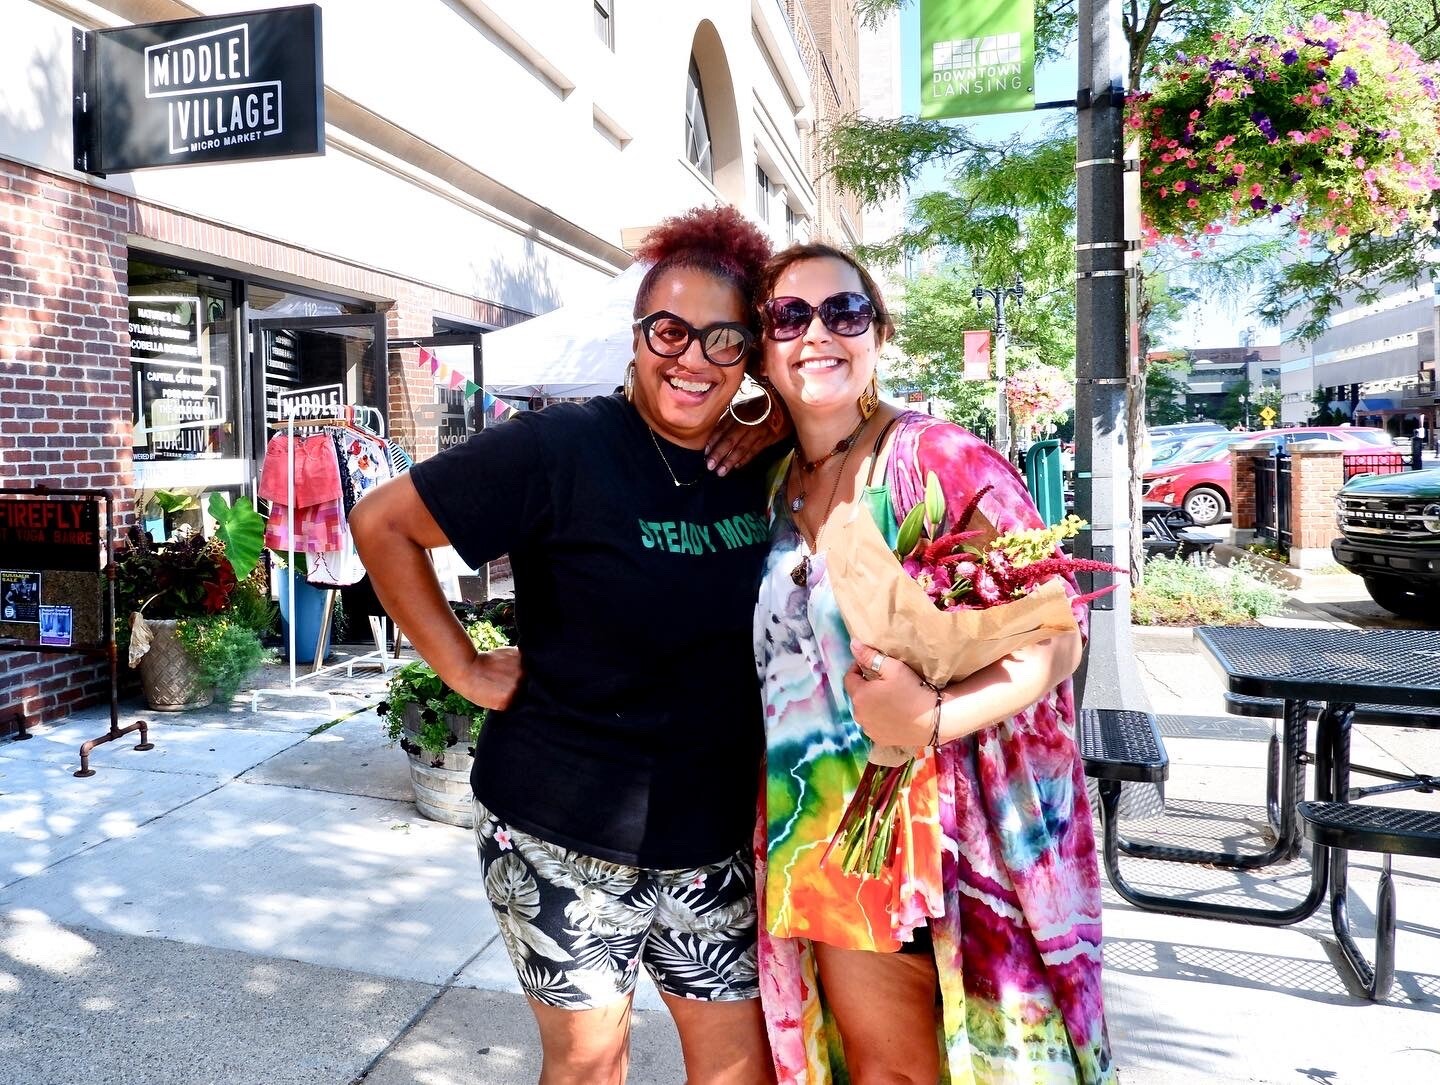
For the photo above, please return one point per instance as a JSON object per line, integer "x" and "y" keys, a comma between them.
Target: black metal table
{"x": 1337, "y": 667}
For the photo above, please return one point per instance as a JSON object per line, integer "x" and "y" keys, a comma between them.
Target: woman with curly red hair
{"x": 616, "y": 783}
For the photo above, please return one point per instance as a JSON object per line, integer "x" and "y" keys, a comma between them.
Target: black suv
{"x": 1391, "y": 536}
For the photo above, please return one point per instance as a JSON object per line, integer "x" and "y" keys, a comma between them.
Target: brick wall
{"x": 64, "y": 380}
{"x": 1315, "y": 478}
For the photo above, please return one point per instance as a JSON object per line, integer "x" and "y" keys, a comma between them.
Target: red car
{"x": 1202, "y": 487}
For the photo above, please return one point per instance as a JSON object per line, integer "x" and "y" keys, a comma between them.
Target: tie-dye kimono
{"x": 1015, "y": 918}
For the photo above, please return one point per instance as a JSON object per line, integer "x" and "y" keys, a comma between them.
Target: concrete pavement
{"x": 257, "y": 900}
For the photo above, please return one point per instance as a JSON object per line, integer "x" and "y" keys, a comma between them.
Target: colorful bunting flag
{"x": 454, "y": 379}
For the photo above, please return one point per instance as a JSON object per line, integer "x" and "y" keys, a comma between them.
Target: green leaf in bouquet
{"x": 934, "y": 502}
{"x": 910, "y": 529}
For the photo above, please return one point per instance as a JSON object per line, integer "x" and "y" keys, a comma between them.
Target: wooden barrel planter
{"x": 442, "y": 791}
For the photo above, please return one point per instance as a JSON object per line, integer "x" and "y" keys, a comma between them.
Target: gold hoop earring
{"x": 869, "y": 401}
{"x": 769, "y": 406}
{"x": 629, "y": 386}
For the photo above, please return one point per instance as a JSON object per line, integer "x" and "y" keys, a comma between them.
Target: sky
{"x": 1215, "y": 323}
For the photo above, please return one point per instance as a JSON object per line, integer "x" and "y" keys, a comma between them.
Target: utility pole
{"x": 1103, "y": 367}
{"x": 1002, "y": 340}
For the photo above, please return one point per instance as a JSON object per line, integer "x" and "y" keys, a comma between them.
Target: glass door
{"x": 318, "y": 363}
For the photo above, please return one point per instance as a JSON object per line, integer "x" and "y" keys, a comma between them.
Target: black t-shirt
{"x": 636, "y": 735}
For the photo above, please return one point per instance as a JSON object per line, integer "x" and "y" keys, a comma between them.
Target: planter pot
{"x": 170, "y": 680}
{"x": 309, "y": 612}
{"x": 442, "y": 792}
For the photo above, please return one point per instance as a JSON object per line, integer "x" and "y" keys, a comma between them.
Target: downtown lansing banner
{"x": 976, "y": 58}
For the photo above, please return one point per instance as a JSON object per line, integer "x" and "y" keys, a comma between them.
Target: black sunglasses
{"x": 847, "y": 313}
{"x": 670, "y": 336}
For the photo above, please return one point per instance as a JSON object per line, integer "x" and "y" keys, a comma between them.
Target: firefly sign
{"x": 189, "y": 91}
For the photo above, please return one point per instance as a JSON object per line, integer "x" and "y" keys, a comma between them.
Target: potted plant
{"x": 437, "y": 727}
{"x": 196, "y": 608}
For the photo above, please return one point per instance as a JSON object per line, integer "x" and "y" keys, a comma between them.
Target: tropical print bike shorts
{"x": 578, "y": 928}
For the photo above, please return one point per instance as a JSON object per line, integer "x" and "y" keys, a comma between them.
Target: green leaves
{"x": 241, "y": 529}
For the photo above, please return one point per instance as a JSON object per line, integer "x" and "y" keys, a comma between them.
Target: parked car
{"x": 1191, "y": 449}
{"x": 1202, "y": 487}
{"x": 1390, "y": 536}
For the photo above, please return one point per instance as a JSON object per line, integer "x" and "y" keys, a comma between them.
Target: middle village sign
{"x": 248, "y": 85}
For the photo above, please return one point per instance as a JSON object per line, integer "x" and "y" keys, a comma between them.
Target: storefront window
{"x": 185, "y": 388}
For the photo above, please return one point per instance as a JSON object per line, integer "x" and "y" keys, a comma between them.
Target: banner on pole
{"x": 977, "y": 356}
{"x": 976, "y": 58}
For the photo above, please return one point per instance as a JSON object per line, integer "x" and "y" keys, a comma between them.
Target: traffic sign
{"x": 1267, "y": 415}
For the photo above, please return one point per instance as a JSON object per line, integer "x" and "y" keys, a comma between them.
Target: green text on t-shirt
{"x": 683, "y": 537}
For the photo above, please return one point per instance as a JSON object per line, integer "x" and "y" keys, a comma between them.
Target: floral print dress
{"x": 1014, "y": 912}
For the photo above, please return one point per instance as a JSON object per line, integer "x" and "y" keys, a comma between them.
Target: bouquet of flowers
{"x": 989, "y": 598}
{"x": 1333, "y": 122}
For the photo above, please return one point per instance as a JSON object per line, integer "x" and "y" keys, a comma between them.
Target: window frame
{"x": 702, "y": 158}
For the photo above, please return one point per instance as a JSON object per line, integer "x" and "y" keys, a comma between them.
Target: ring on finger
{"x": 876, "y": 662}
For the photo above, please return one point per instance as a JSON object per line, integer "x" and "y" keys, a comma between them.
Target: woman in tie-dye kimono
{"x": 982, "y": 962}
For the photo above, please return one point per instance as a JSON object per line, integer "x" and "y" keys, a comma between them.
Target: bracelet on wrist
{"x": 935, "y": 719}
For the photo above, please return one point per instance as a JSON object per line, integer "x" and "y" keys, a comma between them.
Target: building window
{"x": 697, "y": 126}
{"x": 184, "y": 358}
{"x": 605, "y": 22}
{"x": 791, "y": 221}
{"x": 762, "y": 195}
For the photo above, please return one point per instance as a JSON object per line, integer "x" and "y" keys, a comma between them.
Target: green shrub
{"x": 224, "y": 651}
{"x": 1181, "y": 593}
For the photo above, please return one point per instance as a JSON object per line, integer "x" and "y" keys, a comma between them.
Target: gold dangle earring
{"x": 869, "y": 401}
{"x": 629, "y": 387}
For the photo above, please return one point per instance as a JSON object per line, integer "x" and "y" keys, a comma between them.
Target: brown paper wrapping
{"x": 884, "y": 608}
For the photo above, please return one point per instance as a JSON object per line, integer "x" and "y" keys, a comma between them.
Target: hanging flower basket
{"x": 1039, "y": 396}
{"x": 1332, "y": 124}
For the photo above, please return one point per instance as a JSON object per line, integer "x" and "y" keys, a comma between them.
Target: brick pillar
{"x": 1317, "y": 471}
{"x": 1242, "y": 488}
{"x": 410, "y": 387}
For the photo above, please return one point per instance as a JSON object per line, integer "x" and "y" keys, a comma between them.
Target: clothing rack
{"x": 369, "y": 422}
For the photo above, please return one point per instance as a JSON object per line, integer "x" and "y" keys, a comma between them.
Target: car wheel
{"x": 1403, "y": 598}
{"x": 1205, "y": 505}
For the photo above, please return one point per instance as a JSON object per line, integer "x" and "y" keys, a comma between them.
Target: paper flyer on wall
{"x": 20, "y": 596}
{"x": 56, "y": 626}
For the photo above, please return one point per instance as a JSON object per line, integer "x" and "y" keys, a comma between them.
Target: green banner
{"x": 976, "y": 58}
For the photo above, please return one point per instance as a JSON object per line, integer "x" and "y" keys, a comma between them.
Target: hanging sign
{"x": 976, "y": 58}
{"x": 977, "y": 356}
{"x": 189, "y": 91}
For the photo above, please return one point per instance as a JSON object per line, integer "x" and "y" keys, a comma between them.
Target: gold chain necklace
{"x": 800, "y": 575}
{"x": 668, "y": 469}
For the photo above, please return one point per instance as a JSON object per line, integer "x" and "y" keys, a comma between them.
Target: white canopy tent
{"x": 580, "y": 349}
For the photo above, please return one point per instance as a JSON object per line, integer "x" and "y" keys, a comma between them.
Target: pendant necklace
{"x": 809, "y": 467}
{"x": 668, "y": 469}
{"x": 800, "y": 575}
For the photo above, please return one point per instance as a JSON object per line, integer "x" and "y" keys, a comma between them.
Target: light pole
{"x": 1002, "y": 338}
{"x": 1245, "y": 409}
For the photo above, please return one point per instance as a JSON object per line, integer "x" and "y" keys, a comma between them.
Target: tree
{"x": 1321, "y": 413}
{"x": 1165, "y": 391}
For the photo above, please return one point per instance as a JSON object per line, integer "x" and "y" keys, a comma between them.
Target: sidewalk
{"x": 257, "y": 900}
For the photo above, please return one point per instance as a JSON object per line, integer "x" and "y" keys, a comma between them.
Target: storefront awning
{"x": 1376, "y": 404}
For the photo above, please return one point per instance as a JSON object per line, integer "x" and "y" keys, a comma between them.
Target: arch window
{"x": 697, "y": 125}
